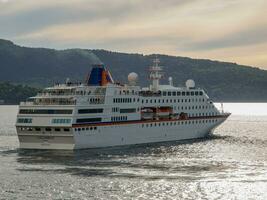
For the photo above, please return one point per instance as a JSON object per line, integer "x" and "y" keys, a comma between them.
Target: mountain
{"x": 41, "y": 67}
{"x": 13, "y": 94}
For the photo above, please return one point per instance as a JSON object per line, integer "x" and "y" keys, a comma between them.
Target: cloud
{"x": 209, "y": 28}
{"x": 249, "y": 36}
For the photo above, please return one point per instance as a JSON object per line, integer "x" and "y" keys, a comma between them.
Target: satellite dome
{"x": 132, "y": 78}
{"x": 190, "y": 84}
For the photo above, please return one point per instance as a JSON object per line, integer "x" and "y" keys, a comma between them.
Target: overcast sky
{"x": 228, "y": 30}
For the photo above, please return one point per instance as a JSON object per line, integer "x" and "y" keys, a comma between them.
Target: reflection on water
{"x": 231, "y": 164}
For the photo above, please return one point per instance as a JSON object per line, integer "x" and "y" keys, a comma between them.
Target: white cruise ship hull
{"x": 84, "y": 136}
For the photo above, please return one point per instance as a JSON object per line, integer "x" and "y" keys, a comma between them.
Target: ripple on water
{"x": 231, "y": 164}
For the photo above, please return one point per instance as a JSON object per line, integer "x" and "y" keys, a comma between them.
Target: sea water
{"x": 230, "y": 164}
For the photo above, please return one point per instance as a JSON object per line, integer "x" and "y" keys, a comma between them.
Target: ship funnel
{"x": 99, "y": 76}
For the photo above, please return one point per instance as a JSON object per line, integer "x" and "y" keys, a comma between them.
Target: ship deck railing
{"x": 46, "y": 103}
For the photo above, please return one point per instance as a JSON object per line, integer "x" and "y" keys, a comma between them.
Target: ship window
{"x": 83, "y": 120}
{"x": 127, "y": 110}
{"x": 200, "y": 93}
{"x": 61, "y": 121}
{"x": 178, "y": 93}
{"x": 48, "y": 129}
{"x": 57, "y": 129}
{"x": 187, "y": 93}
{"x": 173, "y": 93}
{"x": 151, "y": 101}
{"x": 66, "y": 129}
{"x": 192, "y": 93}
{"x": 146, "y": 101}
{"x": 41, "y": 111}
{"x": 196, "y": 93}
{"x": 24, "y": 120}
{"x": 96, "y": 110}
{"x": 95, "y": 128}
{"x": 167, "y": 100}
{"x": 169, "y": 93}
{"x": 38, "y": 129}
{"x": 164, "y": 93}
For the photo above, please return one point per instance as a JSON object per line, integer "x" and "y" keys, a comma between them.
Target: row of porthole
{"x": 172, "y": 100}
{"x": 46, "y": 129}
{"x": 86, "y": 128}
{"x": 178, "y": 123}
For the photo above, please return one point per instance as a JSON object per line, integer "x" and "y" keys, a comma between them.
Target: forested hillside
{"x": 40, "y": 67}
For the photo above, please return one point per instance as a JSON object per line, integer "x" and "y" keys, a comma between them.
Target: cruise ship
{"x": 102, "y": 113}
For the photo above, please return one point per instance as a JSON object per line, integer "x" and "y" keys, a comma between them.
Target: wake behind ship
{"x": 102, "y": 113}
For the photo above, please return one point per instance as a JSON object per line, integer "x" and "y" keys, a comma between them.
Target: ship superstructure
{"x": 102, "y": 113}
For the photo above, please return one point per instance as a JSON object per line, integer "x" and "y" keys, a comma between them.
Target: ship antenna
{"x": 155, "y": 74}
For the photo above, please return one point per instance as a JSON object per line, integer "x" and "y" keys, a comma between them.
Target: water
{"x": 232, "y": 164}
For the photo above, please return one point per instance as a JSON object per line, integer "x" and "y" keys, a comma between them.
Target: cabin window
{"x": 85, "y": 111}
{"x": 169, "y": 93}
{"x": 84, "y": 120}
{"x": 164, "y": 93}
{"x": 24, "y": 120}
{"x": 41, "y": 111}
{"x": 61, "y": 121}
{"x": 127, "y": 110}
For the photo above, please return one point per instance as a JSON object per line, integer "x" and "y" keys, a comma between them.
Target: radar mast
{"x": 155, "y": 74}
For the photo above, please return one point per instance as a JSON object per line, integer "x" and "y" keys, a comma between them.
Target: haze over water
{"x": 230, "y": 164}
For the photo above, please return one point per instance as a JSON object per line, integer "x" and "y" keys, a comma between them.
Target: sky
{"x": 225, "y": 30}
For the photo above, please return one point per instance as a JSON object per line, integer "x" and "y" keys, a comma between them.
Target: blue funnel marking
{"x": 95, "y": 76}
